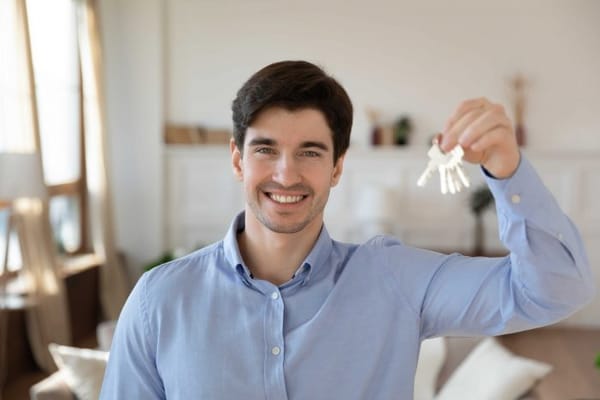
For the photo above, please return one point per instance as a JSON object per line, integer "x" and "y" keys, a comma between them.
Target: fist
{"x": 486, "y": 135}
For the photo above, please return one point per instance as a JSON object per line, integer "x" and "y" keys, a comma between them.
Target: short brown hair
{"x": 294, "y": 85}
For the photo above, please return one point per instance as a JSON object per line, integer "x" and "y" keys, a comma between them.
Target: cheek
{"x": 254, "y": 172}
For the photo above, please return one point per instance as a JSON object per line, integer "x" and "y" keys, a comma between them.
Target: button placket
{"x": 274, "y": 340}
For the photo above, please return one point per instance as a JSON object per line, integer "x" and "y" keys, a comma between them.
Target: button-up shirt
{"x": 349, "y": 323}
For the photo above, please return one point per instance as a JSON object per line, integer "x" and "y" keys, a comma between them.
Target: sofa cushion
{"x": 53, "y": 387}
{"x": 492, "y": 372}
{"x": 431, "y": 359}
{"x": 104, "y": 333}
{"x": 81, "y": 369}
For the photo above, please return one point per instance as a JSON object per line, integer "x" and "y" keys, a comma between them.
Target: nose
{"x": 287, "y": 172}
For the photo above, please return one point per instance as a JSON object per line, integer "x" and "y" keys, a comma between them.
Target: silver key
{"x": 436, "y": 159}
{"x": 449, "y": 167}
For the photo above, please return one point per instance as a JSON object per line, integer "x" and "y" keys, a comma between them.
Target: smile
{"x": 285, "y": 199}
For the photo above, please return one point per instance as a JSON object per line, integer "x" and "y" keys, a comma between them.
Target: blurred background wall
{"x": 182, "y": 61}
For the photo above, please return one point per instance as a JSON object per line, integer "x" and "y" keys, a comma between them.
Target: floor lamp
{"x": 21, "y": 177}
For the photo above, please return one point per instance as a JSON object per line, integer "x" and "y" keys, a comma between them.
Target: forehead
{"x": 286, "y": 126}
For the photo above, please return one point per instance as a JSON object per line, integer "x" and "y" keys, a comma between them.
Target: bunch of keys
{"x": 449, "y": 166}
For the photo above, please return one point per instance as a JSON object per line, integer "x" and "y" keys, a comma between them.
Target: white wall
{"x": 395, "y": 56}
{"x": 132, "y": 33}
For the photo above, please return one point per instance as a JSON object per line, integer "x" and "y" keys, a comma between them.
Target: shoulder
{"x": 392, "y": 267}
{"x": 386, "y": 249}
{"x": 409, "y": 265}
{"x": 191, "y": 270}
{"x": 385, "y": 255}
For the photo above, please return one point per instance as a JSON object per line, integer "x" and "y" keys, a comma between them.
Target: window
{"x": 55, "y": 59}
{"x": 56, "y": 68}
{"x": 16, "y": 131}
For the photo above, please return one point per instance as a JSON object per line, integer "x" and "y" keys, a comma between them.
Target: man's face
{"x": 287, "y": 168}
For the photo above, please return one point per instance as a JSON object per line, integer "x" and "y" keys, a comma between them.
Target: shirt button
{"x": 559, "y": 236}
{"x": 516, "y": 199}
{"x": 274, "y": 295}
{"x": 275, "y": 350}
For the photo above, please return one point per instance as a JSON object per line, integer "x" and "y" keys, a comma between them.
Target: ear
{"x": 337, "y": 170}
{"x": 236, "y": 160}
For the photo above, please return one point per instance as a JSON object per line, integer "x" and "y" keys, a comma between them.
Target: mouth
{"x": 285, "y": 199}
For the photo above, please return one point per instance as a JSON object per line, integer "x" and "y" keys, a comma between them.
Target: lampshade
{"x": 21, "y": 176}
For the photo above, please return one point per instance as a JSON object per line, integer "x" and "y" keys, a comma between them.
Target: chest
{"x": 351, "y": 338}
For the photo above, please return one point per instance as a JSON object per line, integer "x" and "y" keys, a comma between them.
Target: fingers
{"x": 483, "y": 125}
{"x": 451, "y": 137}
{"x": 471, "y": 120}
{"x": 464, "y": 108}
{"x": 486, "y": 135}
{"x": 492, "y": 138}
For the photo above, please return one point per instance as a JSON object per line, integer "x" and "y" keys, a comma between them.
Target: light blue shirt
{"x": 348, "y": 325}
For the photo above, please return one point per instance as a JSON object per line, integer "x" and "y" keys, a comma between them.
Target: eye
{"x": 264, "y": 150}
{"x": 311, "y": 153}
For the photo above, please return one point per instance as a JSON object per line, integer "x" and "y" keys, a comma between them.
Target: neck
{"x": 273, "y": 256}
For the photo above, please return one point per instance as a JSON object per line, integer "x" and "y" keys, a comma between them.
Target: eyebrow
{"x": 319, "y": 145}
{"x": 260, "y": 141}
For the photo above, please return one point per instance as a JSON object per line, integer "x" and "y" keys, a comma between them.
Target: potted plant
{"x": 480, "y": 199}
{"x": 402, "y": 129}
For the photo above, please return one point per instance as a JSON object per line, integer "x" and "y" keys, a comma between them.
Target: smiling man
{"x": 287, "y": 167}
{"x": 279, "y": 310}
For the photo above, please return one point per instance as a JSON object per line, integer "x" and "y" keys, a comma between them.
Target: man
{"x": 278, "y": 309}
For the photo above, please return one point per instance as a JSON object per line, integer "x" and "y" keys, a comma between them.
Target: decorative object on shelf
{"x": 376, "y": 137}
{"x": 518, "y": 83}
{"x": 480, "y": 200}
{"x": 402, "y": 130}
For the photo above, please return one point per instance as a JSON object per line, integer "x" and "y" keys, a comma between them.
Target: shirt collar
{"x": 314, "y": 261}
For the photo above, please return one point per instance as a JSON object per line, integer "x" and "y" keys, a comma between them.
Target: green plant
{"x": 402, "y": 129}
{"x": 163, "y": 258}
{"x": 170, "y": 255}
{"x": 598, "y": 361}
{"x": 481, "y": 198}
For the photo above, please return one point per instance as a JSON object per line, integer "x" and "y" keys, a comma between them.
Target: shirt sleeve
{"x": 545, "y": 277}
{"x": 131, "y": 371}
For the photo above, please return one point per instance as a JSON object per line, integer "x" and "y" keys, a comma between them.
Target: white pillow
{"x": 431, "y": 360}
{"x": 82, "y": 369}
{"x": 491, "y": 372}
{"x": 104, "y": 332}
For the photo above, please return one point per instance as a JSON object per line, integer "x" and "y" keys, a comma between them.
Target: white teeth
{"x": 285, "y": 199}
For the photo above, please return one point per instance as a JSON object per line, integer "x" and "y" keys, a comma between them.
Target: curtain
{"x": 47, "y": 317}
{"x": 114, "y": 282}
